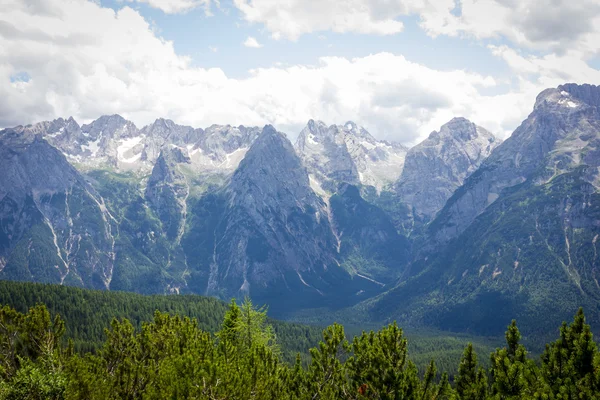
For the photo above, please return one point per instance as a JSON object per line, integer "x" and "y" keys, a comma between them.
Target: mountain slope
{"x": 531, "y": 253}
{"x": 552, "y": 139}
{"x": 268, "y": 235}
{"x": 54, "y": 227}
{"x": 369, "y": 245}
{"x": 167, "y": 191}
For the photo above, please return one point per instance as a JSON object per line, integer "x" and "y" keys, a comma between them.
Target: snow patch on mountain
{"x": 348, "y": 153}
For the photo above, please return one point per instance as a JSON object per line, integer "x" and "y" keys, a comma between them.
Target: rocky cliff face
{"x": 167, "y": 191}
{"x": 324, "y": 152}
{"x": 436, "y": 167}
{"x": 519, "y": 238}
{"x": 221, "y": 148}
{"x": 267, "y": 233}
{"x": 164, "y": 132}
{"x": 53, "y": 226}
{"x": 559, "y": 134}
{"x": 368, "y": 244}
{"x": 347, "y": 153}
{"x": 112, "y": 141}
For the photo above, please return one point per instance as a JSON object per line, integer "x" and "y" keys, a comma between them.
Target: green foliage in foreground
{"x": 172, "y": 358}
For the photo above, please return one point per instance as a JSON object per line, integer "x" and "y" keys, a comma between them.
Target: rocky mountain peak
{"x": 437, "y": 166}
{"x": 347, "y": 153}
{"x": 557, "y": 136}
{"x": 272, "y": 159}
{"x": 162, "y": 125}
{"x": 351, "y": 128}
{"x": 461, "y": 129}
{"x": 315, "y": 126}
{"x": 271, "y": 177}
{"x": 568, "y": 98}
{"x": 272, "y": 233}
{"x": 52, "y": 128}
{"x": 223, "y": 146}
{"x": 163, "y": 128}
{"x": 109, "y": 126}
{"x": 38, "y": 190}
{"x": 324, "y": 152}
{"x": 588, "y": 94}
{"x": 269, "y": 137}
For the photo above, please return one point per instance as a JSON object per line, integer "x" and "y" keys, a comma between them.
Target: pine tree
{"x": 471, "y": 382}
{"x": 513, "y": 375}
{"x": 432, "y": 391}
{"x": 326, "y": 376}
{"x": 569, "y": 365}
{"x": 10, "y": 327}
{"x": 380, "y": 367}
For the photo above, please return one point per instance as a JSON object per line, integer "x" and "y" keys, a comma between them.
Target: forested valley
{"x": 247, "y": 356}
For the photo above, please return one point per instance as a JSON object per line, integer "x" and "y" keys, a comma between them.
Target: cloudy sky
{"x": 401, "y": 68}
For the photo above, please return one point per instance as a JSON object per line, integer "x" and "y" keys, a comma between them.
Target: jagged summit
{"x": 347, "y": 153}
{"x": 113, "y": 141}
{"x": 436, "y": 167}
{"x": 560, "y": 134}
{"x": 586, "y": 93}
{"x": 569, "y": 97}
{"x": 271, "y": 235}
{"x": 270, "y": 165}
{"x": 314, "y": 125}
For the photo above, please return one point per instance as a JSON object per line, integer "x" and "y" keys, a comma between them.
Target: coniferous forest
{"x": 174, "y": 356}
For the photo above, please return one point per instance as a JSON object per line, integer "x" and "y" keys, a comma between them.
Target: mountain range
{"x": 462, "y": 232}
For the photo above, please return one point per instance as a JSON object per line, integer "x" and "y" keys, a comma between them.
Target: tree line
{"x": 171, "y": 357}
{"x": 88, "y": 312}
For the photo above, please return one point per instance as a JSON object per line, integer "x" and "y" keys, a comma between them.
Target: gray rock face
{"x": 436, "y": 167}
{"x": 53, "y": 226}
{"x": 109, "y": 127}
{"x": 167, "y": 191}
{"x": 280, "y": 226}
{"x": 221, "y": 148}
{"x": 325, "y": 154}
{"x": 269, "y": 235}
{"x": 165, "y": 132}
{"x": 347, "y": 153}
{"x": 560, "y": 133}
{"x": 25, "y": 169}
{"x": 115, "y": 142}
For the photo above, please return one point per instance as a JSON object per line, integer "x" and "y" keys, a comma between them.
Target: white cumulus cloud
{"x": 293, "y": 18}
{"x": 547, "y": 25}
{"x": 177, "y": 6}
{"x": 76, "y": 58}
{"x": 252, "y": 42}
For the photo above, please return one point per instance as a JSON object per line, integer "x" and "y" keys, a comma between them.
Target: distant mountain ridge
{"x": 348, "y": 153}
{"x": 519, "y": 238}
{"x": 438, "y": 234}
{"x": 220, "y": 211}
